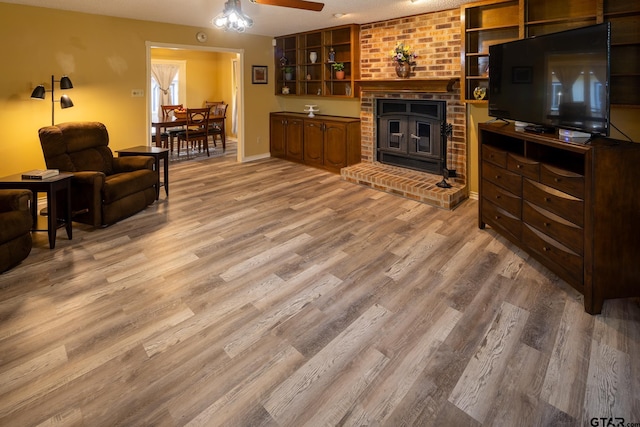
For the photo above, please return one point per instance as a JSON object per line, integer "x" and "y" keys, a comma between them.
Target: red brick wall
{"x": 435, "y": 37}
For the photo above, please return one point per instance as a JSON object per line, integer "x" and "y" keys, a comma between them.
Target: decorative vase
{"x": 340, "y": 75}
{"x": 403, "y": 69}
{"x": 313, "y": 57}
{"x": 288, "y": 76}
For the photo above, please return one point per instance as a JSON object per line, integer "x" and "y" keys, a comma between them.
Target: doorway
{"x": 210, "y": 74}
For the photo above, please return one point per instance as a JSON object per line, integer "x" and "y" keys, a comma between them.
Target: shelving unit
{"x": 624, "y": 16}
{"x": 496, "y": 21}
{"x": 318, "y": 78}
{"x": 483, "y": 24}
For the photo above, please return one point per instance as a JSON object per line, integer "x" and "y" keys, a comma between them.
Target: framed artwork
{"x": 259, "y": 74}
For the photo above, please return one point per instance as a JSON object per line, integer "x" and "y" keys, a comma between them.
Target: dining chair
{"x": 196, "y": 129}
{"x": 171, "y": 133}
{"x": 217, "y": 124}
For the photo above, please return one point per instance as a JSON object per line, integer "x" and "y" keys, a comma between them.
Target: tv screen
{"x": 558, "y": 80}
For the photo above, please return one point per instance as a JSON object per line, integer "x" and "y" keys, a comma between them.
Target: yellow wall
{"x": 106, "y": 58}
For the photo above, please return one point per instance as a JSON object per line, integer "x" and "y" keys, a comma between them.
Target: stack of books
{"x": 40, "y": 173}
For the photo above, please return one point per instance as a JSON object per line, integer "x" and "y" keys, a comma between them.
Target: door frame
{"x": 239, "y": 79}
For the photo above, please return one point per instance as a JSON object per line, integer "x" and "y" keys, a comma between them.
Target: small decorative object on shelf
{"x": 311, "y": 109}
{"x": 404, "y": 59}
{"x": 332, "y": 55}
{"x": 308, "y": 76}
{"x": 480, "y": 93}
{"x": 285, "y": 90}
{"x": 313, "y": 57}
{"x": 339, "y": 68}
{"x": 288, "y": 73}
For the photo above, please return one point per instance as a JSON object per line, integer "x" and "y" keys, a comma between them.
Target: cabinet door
{"x": 313, "y": 146}
{"x": 277, "y": 137}
{"x": 335, "y": 145}
{"x": 294, "y": 139}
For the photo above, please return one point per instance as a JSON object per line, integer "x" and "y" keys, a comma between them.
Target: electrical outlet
{"x": 137, "y": 93}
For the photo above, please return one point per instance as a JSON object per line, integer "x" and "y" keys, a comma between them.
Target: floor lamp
{"x": 65, "y": 101}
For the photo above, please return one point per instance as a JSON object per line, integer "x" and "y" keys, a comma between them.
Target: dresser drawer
{"x": 502, "y": 178}
{"x": 494, "y": 155}
{"x": 558, "y": 258}
{"x": 501, "y": 219}
{"x": 502, "y": 198}
{"x": 558, "y": 202}
{"x": 565, "y": 232}
{"x": 523, "y": 166}
{"x": 563, "y": 180}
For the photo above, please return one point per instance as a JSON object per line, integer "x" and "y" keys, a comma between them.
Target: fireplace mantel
{"x": 409, "y": 85}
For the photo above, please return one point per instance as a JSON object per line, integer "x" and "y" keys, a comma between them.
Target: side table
{"x": 157, "y": 153}
{"x": 58, "y": 216}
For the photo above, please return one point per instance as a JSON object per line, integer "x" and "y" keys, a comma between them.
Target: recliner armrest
{"x": 14, "y": 200}
{"x": 132, "y": 163}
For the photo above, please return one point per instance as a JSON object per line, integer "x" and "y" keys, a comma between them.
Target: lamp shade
{"x": 38, "y": 92}
{"x": 65, "y": 83}
{"x": 65, "y": 102}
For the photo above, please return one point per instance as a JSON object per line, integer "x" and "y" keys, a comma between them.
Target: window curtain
{"x": 164, "y": 75}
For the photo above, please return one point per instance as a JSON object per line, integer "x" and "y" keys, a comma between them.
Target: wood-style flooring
{"x": 274, "y": 294}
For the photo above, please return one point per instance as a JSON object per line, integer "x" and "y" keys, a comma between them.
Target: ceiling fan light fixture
{"x": 232, "y": 18}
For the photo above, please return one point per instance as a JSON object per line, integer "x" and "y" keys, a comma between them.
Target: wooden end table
{"x": 58, "y": 216}
{"x": 157, "y": 153}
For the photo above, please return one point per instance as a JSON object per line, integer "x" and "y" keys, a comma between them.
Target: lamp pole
{"x": 52, "y": 101}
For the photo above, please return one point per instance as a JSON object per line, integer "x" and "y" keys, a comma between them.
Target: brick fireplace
{"x": 436, "y": 39}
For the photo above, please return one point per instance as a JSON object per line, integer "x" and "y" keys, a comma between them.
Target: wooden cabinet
{"x": 328, "y": 142}
{"x": 286, "y": 135}
{"x": 489, "y": 22}
{"x": 575, "y": 208}
{"x": 304, "y": 62}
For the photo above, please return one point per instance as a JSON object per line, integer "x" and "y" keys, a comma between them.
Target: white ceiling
{"x": 268, "y": 20}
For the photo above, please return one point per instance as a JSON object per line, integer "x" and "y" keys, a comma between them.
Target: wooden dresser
{"x": 573, "y": 207}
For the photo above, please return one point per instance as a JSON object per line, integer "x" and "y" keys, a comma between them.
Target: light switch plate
{"x": 137, "y": 93}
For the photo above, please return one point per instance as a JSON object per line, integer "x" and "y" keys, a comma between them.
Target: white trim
{"x": 256, "y": 157}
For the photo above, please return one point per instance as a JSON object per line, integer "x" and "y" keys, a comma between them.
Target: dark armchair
{"x": 105, "y": 189}
{"x": 15, "y": 227}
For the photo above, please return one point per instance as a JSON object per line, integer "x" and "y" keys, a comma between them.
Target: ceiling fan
{"x": 296, "y": 4}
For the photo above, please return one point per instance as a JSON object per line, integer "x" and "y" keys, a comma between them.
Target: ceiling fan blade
{"x": 296, "y": 4}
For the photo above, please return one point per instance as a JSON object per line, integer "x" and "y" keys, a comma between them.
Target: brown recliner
{"x": 15, "y": 227}
{"x": 104, "y": 188}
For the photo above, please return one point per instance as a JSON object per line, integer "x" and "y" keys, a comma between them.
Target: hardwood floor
{"x": 275, "y": 294}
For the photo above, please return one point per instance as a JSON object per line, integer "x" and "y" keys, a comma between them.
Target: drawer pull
{"x": 496, "y": 217}
{"x": 498, "y": 197}
{"x": 497, "y": 176}
{"x": 546, "y": 199}
{"x": 546, "y": 224}
{"x": 557, "y": 179}
{"x": 546, "y": 248}
{"x": 519, "y": 166}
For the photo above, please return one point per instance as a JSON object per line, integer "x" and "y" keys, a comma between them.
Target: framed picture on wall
{"x": 259, "y": 74}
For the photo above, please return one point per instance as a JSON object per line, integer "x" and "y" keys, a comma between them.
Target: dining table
{"x": 175, "y": 122}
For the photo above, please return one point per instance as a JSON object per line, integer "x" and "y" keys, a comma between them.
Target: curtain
{"x": 164, "y": 75}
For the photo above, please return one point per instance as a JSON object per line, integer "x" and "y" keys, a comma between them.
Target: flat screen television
{"x": 558, "y": 80}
